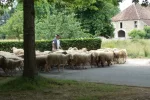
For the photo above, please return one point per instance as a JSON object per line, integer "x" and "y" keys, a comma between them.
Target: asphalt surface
{"x": 135, "y": 72}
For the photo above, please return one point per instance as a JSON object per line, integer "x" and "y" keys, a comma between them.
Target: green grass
{"x": 39, "y": 83}
{"x": 18, "y": 88}
{"x": 135, "y": 48}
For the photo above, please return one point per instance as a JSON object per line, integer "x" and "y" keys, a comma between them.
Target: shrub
{"x": 147, "y": 31}
{"x": 47, "y": 45}
{"x": 90, "y": 44}
{"x": 137, "y": 34}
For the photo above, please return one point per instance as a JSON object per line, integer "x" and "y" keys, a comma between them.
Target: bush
{"x": 90, "y": 44}
{"x": 147, "y": 31}
{"x": 47, "y": 45}
{"x": 137, "y": 34}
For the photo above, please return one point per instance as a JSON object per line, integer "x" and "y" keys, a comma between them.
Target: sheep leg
{"x": 63, "y": 67}
{"x": 102, "y": 64}
{"x": 46, "y": 67}
{"x": 108, "y": 62}
{"x": 97, "y": 63}
{"x": 58, "y": 68}
{"x": 83, "y": 67}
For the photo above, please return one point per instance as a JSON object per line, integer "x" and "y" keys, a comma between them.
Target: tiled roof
{"x": 133, "y": 12}
{"x": 147, "y": 22}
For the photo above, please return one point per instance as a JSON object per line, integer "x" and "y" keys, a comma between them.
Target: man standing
{"x": 56, "y": 43}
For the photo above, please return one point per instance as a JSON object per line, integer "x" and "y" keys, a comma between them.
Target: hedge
{"x": 90, "y": 44}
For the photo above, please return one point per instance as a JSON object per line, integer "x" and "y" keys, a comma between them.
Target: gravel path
{"x": 135, "y": 72}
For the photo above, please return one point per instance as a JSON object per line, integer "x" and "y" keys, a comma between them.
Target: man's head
{"x": 57, "y": 36}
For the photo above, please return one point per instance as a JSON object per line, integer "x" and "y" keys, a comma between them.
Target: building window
{"x": 120, "y": 24}
{"x": 135, "y": 24}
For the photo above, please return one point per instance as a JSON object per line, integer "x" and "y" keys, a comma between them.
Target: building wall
{"x": 127, "y": 26}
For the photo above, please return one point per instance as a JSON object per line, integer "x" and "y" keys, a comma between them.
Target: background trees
{"x": 14, "y": 26}
{"x": 97, "y": 18}
{"x": 83, "y": 19}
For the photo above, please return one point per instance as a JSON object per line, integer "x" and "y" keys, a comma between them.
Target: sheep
{"x": 124, "y": 55}
{"x": 118, "y": 54}
{"x": 60, "y": 51}
{"x": 9, "y": 55}
{"x": 40, "y": 61}
{"x": 94, "y": 59}
{"x": 74, "y": 48}
{"x": 84, "y": 49}
{"x": 2, "y": 58}
{"x": 21, "y": 56}
{"x": 56, "y": 59}
{"x": 10, "y": 64}
{"x": 80, "y": 59}
{"x": 17, "y": 51}
{"x": 47, "y": 52}
{"x": 106, "y": 57}
{"x": 70, "y": 48}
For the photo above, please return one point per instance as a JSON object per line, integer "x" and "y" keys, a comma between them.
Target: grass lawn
{"x": 135, "y": 48}
{"x": 54, "y": 89}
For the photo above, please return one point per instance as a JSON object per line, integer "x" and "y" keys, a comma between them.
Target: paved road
{"x": 135, "y": 72}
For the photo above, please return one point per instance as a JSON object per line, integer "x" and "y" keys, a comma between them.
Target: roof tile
{"x": 133, "y": 12}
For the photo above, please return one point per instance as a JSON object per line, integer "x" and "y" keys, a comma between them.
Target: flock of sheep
{"x": 73, "y": 58}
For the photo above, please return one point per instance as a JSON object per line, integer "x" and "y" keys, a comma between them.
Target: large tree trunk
{"x": 30, "y": 69}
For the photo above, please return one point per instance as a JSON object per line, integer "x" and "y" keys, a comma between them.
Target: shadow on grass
{"x": 39, "y": 83}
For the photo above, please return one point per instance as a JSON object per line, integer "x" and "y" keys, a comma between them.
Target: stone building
{"x": 135, "y": 16}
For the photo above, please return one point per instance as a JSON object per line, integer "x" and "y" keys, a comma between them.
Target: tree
{"x": 97, "y": 18}
{"x": 62, "y": 23}
{"x": 30, "y": 69}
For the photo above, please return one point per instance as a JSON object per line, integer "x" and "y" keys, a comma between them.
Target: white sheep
{"x": 10, "y": 65}
{"x": 2, "y": 58}
{"x": 17, "y": 51}
{"x": 56, "y": 59}
{"x": 79, "y": 59}
{"x": 106, "y": 57}
{"x": 41, "y": 61}
{"x": 120, "y": 55}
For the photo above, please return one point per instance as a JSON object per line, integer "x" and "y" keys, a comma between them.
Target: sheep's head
{"x": 13, "y": 48}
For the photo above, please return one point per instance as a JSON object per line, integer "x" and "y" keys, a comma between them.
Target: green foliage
{"x": 7, "y": 45}
{"x": 43, "y": 45}
{"x": 47, "y": 45}
{"x": 59, "y": 23}
{"x": 57, "y": 17}
{"x": 98, "y": 21}
{"x": 146, "y": 51}
{"x": 14, "y": 26}
{"x": 147, "y": 30}
{"x": 90, "y": 44}
{"x": 42, "y": 9}
{"x": 137, "y": 34}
